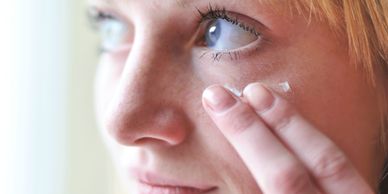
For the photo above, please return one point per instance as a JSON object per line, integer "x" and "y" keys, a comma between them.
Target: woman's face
{"x": 161, "y": 55}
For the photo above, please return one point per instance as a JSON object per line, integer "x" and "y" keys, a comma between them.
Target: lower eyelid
{"x": 234, "y": 54}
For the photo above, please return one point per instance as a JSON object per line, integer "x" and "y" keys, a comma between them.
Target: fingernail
{"x": 260, "y": 98}
{"x": 218, "y": 99}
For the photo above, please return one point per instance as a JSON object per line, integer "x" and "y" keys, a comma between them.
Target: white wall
{"x": 89, "y": 170}
{"x": 48, "y": 140}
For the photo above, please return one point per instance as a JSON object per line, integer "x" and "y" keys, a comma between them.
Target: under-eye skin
{"x": 113, "y": 32}
{"x": 224, "y": 33}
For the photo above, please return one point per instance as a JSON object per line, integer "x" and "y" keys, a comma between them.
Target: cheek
{"x": 221, "y": 158}
{"x": 344, "y": 108}
{"x": 206, "y": 143}
{"x": 332, "y": 94}
{"x": 336, "y": 101}
{"x": 329, "y": 90}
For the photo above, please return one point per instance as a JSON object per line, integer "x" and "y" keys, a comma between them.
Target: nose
{"x": 146, "y": 107}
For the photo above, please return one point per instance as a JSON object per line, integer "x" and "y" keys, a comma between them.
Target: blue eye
{"x": 221, "y": 34}
{"x": 213, "y": 33}
{"x": 113, "y": 33}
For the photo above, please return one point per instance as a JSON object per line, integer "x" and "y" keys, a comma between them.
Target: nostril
{"x": 123, "y": 137}
{"x": 147, "y": 140}
{"x": 136, "y": 125}
{"x": 117, "y": 127}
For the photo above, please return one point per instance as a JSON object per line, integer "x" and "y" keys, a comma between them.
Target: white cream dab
{"x": 285, "y": 86}
{"x": 234, "y": 90}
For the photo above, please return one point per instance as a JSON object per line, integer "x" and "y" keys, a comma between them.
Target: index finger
{"x": 274, "y": 167}
{"x": 329, "y": 166}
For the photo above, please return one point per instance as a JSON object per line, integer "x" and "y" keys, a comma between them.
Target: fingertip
{"x": 259, "y": 97}
{"x": 217, "y": 99}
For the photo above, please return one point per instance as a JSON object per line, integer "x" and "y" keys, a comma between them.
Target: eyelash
{"x": 216, "y": 13}
{"x": 213, "y": 13}
{"x": 96, "y": 17}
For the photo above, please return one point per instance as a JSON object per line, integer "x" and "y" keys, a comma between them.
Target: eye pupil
{"x": 213, "y": 33}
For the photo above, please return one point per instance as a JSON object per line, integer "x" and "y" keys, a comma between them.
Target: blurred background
{"x": 49, "y": 142}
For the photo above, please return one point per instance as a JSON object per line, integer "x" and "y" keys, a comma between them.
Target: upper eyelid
{"x": 216, "y": 13}
{"x": 95, "y": 17}
{"x": 95, "y": 14}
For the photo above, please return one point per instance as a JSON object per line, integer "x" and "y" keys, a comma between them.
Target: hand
{"x": 282, "y": 150}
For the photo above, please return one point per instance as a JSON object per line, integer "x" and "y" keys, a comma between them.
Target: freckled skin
{"x": 148, "y": 98}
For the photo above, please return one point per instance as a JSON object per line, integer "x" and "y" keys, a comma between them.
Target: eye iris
{"x": 213, "y": 33}
{"x": 221, "y": 35}
{"x": 112, "y": 33}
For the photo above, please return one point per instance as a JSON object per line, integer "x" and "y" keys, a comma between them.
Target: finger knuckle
{"x": 331, "y": 163}
{"x": 242, "y": 120}
{"x": 281, "y": 116}
{"x": 291, "y": 179}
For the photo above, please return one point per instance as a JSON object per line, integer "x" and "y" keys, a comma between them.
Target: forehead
{"x": 241, "y": 6}
{"x": 178, "y": 2}
{"x": 184, "y": 3}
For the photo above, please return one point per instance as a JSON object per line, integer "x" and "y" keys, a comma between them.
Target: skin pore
{"x": 149, "y": 89}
